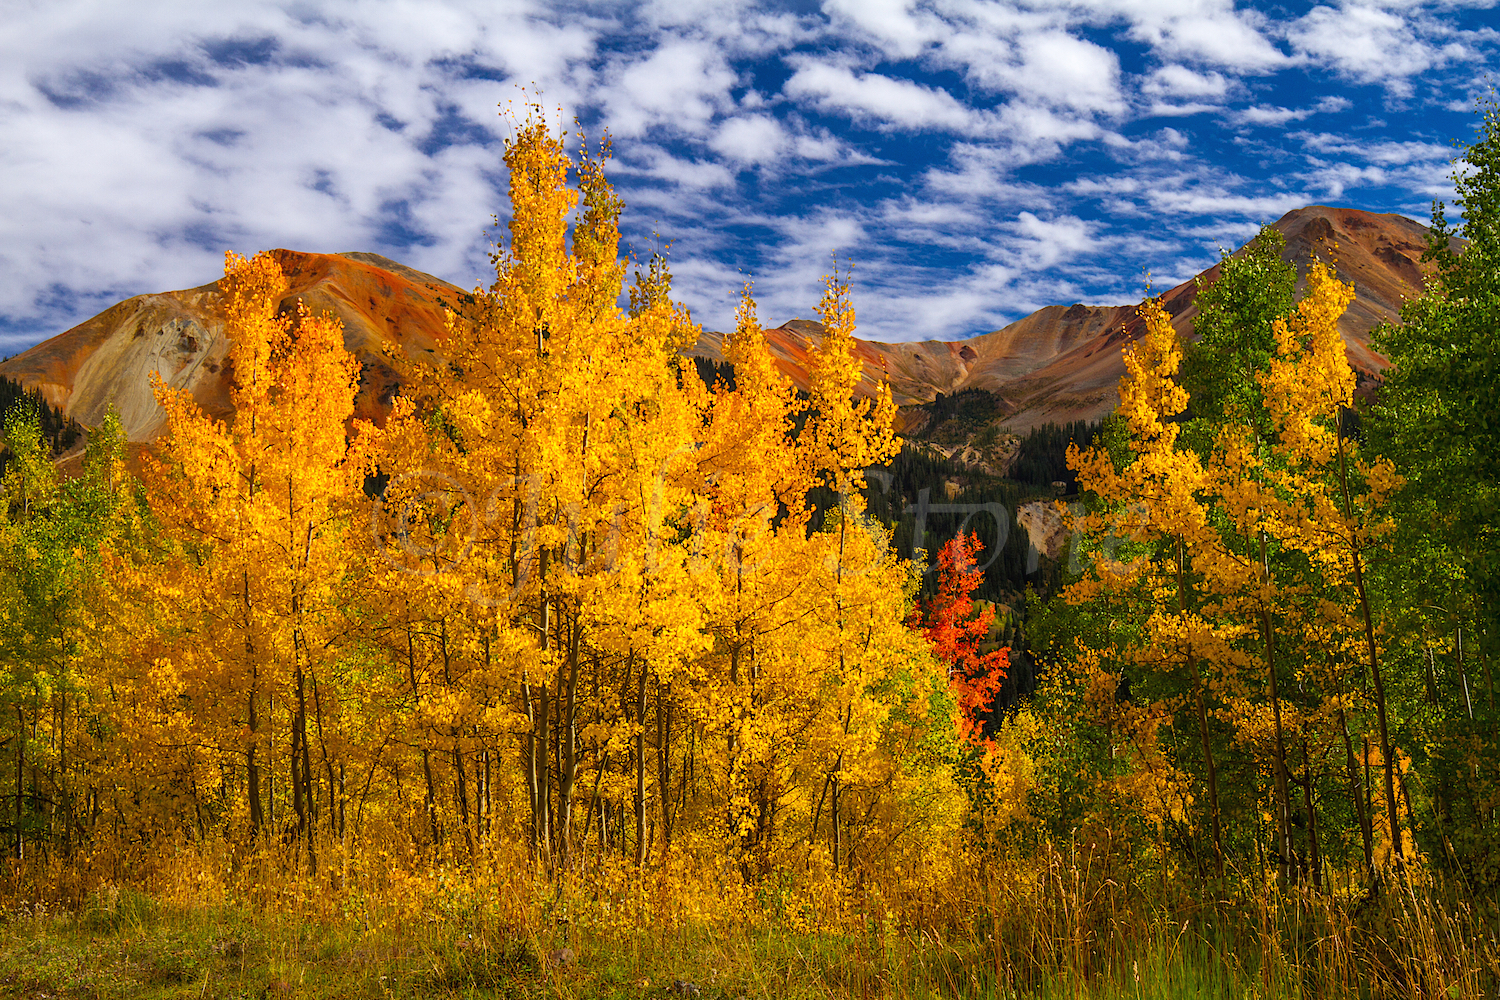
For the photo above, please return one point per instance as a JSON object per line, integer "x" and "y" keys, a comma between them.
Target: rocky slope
{"x": 1061, "y": 363}
{"x": 110, "y": 357}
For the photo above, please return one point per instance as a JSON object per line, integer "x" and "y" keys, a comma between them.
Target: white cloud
{"x": 1179, "y": 81}
{"x": 751, "y": 139}
{"x": 762, "y": 140}
{"x": 662, "y": 166}
{"x": 1386, "y": 153}
{"x": 681, "y": 85}
{"x": 883, "y": 100}
{"x": 1161, "y": 110}
{"x": 1165, "y": 144}
{"x": 1047, "y": 242}
{"x": 1093, "y": 186}
{"x": 983, "y": 172}
{"x": 1334, "y": 179}
{"x": 1271, "y": 116}
{"x": 1211, "y": 32}
{"x": 1206, "y": 200}
{"x": 892, "y": 25}
{"x": 1059, "y": 70}
{"x": 148, "y": 141}
{"x": 1035, "y": 134}
{"x": 143, "y": 141}
{"x": 1367, "y": 43}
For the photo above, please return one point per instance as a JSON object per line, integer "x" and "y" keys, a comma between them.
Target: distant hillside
{"x": 1063, "y": 363}
{"x": 1058, "y": 365}
{"x": 60, "y": 432}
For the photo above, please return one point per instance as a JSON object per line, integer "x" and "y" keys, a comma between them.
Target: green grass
{"x": 128, "y": 946}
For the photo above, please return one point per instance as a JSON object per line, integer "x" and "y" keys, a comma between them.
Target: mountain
{"x": 1059, "y": 364}
{"x": 110, "y": 357}
{"x": 1063, "y": 363}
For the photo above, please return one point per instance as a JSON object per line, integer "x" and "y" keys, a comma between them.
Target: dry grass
{"x": 204, "y": 923}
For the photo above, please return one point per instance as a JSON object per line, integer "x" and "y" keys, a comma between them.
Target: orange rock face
{"x": 1060, "y": 363}
{"x": 110, "y": 358}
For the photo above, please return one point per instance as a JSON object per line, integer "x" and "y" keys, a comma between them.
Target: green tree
{"x": 1438, "y": 420}
{"x": 1235, "y": 340}
{"x": 50, "y": 532}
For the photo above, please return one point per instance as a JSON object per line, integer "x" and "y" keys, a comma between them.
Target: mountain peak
{"x": 1060, "y": 363}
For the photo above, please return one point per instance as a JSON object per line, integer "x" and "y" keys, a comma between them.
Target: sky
{"x": 975, "y": 160}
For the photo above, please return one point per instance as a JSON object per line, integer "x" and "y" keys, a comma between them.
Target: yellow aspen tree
{"x": 1332, "y": 498}
{"x": 652, "y": 635}
{"x": 553, "y": 436}
{"x": 843, "y": 438}
{"x": 752, "y": 540}
{"x": 1179, "y": 585}
{"x": 252, "y": 526}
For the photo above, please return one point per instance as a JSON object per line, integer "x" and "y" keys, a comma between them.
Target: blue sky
{"x": 976, "y": 159}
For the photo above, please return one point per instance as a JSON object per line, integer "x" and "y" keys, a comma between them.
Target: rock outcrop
{"x": 1044, "y": 528}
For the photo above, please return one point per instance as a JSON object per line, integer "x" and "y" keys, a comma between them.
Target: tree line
{"x": 582, "y": 594}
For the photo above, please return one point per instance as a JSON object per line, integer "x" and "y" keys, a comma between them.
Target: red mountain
{"x": 1060, "y": 363}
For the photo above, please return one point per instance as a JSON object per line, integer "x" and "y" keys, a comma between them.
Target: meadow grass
{"x": 202, "y": 923}
{"x": 126, "y": 944}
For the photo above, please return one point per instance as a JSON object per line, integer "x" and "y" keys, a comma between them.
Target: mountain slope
{"x": 1061, "y": 363}
{"x": 110, "y": 357}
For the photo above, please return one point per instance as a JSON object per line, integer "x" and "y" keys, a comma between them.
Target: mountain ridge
{"x": 1058, "y": 364}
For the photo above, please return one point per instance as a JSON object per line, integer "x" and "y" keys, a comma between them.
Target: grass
{"x": 127, "y": 945}
{"x": 209, "y": 925}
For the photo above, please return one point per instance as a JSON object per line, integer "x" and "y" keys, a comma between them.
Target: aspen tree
{"x": 562, "y": 429}
{"x": 252, "y": 527}
{"x": 1181, "y": 629}
{"x": 656, "y": 633}
{"x": 1335, "y": 496}
{"x": 843, "y": 438}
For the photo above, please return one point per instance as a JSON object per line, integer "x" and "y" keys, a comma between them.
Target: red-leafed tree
{"x": 958, "y": 634}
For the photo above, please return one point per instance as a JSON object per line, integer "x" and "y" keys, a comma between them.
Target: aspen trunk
{"x": 543, "y": 773}
{"x": 461, "y": 782}
{"x": 268, "y": 771}
{"x": 838, "y": 830}
{"x": 429, "y": 798}
{"x": 1203, "y": 733}
{"x": 1361, "y": 812}
{"x": 567, "y": 775}
{"x": 640, "y": 767}
{"x": 664, "y": 766}
{"x": 1314, "y": 849}
{"x": 529, "y": 766}
{"x": 1375, "y": 674}
{"x": 252, "y": 766}
{"x": 1284, "y": 849}
{"x": 540, "y": 739}
{"x": 489, "y": 802}
{"x": 300, "y": 805}
{"x": 20, "y": 778}
{"x": 460, "y": 778}
{"x": 302, "y": 792}
{"x": 334, "y": 785}
{"x": 595, "y": 805}
{"x": 812, "y": 837}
